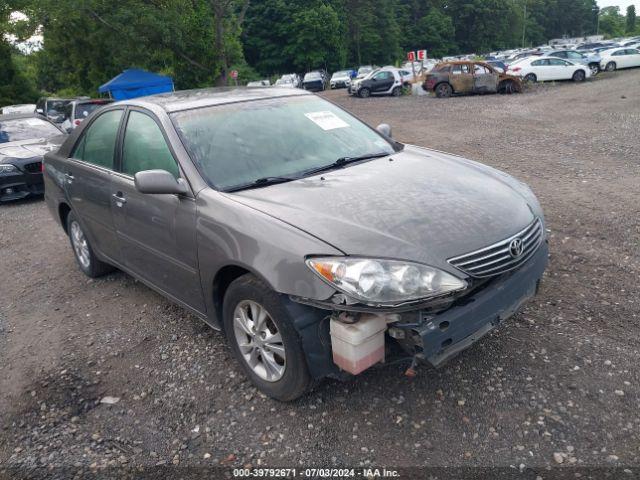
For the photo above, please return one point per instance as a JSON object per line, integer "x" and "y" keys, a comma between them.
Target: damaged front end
{"x": 348, "y": 336}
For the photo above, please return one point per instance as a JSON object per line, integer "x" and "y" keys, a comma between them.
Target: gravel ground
{"x": 556, "y": 388}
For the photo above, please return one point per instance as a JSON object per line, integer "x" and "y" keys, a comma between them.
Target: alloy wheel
{"x": 80, "y": 245}
{"x": 259, "y": 340}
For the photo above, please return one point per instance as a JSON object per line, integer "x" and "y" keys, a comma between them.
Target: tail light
{"x": 42, "y": 166}
{"x": 517, "y": 69}
{"x": 77, "y": 122}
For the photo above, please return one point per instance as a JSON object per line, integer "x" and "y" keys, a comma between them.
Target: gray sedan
{"x": 314, "y": 241}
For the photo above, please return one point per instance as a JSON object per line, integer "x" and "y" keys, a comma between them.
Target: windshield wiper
{"x": 261, "y": 182}
{"x": 345, "y": 160}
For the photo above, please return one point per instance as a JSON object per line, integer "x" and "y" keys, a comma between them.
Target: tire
{"x": 82, "y": 250}
{"x": 396, "y": 92}
{"x": 280, "y": 370}
{"x": 531, "y": 78}
{"x": 364, "y": 93}
{"x": 507, "y": 87}
{"x": 443, "y": 90}
{"x": 595, "y": 69}
{"x": 611, "y": 67}
{"x": 578, "y": 76}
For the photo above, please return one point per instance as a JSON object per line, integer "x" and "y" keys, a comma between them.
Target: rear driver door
{"x": 157, "y": 233}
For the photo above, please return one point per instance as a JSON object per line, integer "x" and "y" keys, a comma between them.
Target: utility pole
{"x": 524, "y": 23}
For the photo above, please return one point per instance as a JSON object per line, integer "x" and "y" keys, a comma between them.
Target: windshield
{"x": 363, "y": 70}
{"x": 237, "y": 144}
{"x": 312, "y": 76}
{"x": 26, "y": 129}
{"x": 344, "y": 73}
{"x": 56, "y": 107}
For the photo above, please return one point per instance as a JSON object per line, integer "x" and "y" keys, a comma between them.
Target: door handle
{"x": 68, "y": 177}
{"x": 119, "y": 198}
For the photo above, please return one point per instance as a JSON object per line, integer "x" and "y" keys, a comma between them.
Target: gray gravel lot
{"x": 557, "y": 386}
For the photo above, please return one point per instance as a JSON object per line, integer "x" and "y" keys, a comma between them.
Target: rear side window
{"x": 145, "y": 147}
{"x": 98, "y": 142}
{"x": 539, "y": 63}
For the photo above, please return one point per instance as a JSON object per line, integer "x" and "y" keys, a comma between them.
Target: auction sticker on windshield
{"x": 326, "y": 120}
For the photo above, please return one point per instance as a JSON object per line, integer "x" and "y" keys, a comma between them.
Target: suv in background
{"x": 77, "y": 110}
{"x": 469, "y": 77}
{"x": 314, "y": 81}
{"x": 53, "y": 108}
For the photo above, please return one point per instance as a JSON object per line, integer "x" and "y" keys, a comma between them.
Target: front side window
{"x": 460, "y": 69}
{"x": 236, "y": 144}
{"x": 145, "y": 148}
{"x": 98, "y": 143}
{"x": 480, "y": 69}
{"x": 383, "y": 76}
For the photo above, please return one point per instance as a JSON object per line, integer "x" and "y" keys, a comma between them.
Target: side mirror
{"x": 159, "y": 182}
{"x": 384, "y": 129}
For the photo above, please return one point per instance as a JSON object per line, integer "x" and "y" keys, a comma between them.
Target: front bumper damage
{"x": 427, "y": 334}
{"x": 23, "y": 183}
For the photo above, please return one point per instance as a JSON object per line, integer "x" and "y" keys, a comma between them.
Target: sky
{"x": 623, "y": 4}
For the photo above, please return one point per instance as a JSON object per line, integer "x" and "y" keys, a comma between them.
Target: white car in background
{"x": 542, "y": 69}
{"x": 22, "y": 108}
{"x": 611, "y": 60}
{"x": 290, "y": 80}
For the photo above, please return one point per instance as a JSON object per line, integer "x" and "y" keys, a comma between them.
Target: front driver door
{"x": 157, "y": 232}
{"x": 462, "y": 78}
{"x": 382, "y": 82}
{"x": 484, "y": 80}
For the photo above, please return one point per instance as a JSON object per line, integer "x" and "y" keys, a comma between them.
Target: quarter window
{"x": 145, "y": 147}
{"x": 99, "y": 140}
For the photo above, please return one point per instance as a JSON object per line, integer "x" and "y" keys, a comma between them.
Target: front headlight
{"x": 8, "y": 168}
{"x": 384, "y": 282}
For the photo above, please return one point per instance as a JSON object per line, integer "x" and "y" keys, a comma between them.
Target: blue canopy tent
{"x": 133, "y": 83}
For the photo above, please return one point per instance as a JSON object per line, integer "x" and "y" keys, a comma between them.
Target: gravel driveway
{"x": 557, "y": 386}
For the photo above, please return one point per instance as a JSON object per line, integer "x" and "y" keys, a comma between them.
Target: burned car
{"x": 466, "y": 77}
{"x": 312, "y": 240}
{"x": 24, "y": 139}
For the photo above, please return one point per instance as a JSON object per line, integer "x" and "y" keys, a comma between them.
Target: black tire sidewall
{"x": 364, "y": 90}
{"x": 446, "y": 88}
{"x": 611, "y": 67}
{"x": 579, "y": 76}
{"x": 530, "y": 77}
{"x": 296, "y": 379}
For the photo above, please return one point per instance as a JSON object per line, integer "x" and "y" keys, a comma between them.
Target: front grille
{"x": 35, "y": 167}
{"x": 502, "y": 256}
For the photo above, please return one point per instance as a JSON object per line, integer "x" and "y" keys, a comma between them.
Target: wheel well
{"x": 221, "y": 282}
{"x": 63, "y": 213}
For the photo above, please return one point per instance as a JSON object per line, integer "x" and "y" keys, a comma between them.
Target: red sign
{"x": 422, "y": 55}
{"x": 411, "y": 56}
{"x": 234, "y": 74}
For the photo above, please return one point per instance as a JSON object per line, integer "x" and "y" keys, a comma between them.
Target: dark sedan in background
{"x": 24, "y": 139}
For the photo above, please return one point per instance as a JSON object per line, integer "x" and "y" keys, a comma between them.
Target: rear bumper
{"x": 15, "y": 186}
{"x": 446, "y": 334}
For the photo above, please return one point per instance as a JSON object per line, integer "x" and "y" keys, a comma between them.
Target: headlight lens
{"x": 384, "y": 282}
{"x": 8, "y": 168}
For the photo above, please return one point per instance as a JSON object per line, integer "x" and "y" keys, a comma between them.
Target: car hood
{"x": 424, "y": 206}
{"x": 31, "y": 148}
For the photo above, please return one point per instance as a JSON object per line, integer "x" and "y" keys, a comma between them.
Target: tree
{"x": 611, "y": 22}
{"x": 436, "y": 33}
{"x": 631, "y": 19}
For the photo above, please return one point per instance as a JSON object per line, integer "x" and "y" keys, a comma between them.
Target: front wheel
{"x": 595, "y": 69}
{"x": 364, "y": 93}
{"x": 611, "y": 67}
{"x": 443, "y": 90}
{"x": 508, "y": 87}
{"x": 86, "y": 259}
{"x": 578, "y": 76}
{"x": 263, "y": 339}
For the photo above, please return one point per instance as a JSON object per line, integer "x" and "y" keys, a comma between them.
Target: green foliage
{"x": 631, "y": 19}
{"x": 612, "y": 24}
{"x": 436, "y": 32}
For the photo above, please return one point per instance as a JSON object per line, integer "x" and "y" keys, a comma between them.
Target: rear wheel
{"x": 443, "y": 90}
{"x": 611, "y": 67}
{"x": 595, "y": 69}
{"x": 86, "y": 259}
{"x": 396, "y": 92}
{"x": 531, "y": 78}
{"x": 364, "y": 92}
{"x": 578, "y": 76}
{"x": 263, "y": 339}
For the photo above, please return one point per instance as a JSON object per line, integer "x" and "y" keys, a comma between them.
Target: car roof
{"x": 208, "y": 97}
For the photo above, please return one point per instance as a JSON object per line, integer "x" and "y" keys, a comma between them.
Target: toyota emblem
{"x": 516, "y": 247}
